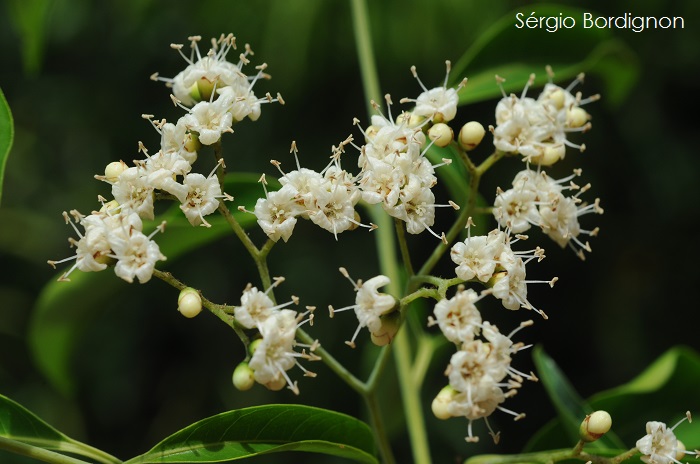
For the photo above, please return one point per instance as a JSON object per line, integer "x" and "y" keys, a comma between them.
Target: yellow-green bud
{"x": 254, "y": 345}
{"x": 680, "y": 450}
{"x": 440, "y": 404}
{"x": 557, "y": 98}
{"x": 243, "y": 377}
{"x": 109, "y": 206}
{"x": 470, "y": 135}
{"x": 441, "y": 134}
{"x": 552, "y": 153}
{"x": 189, "y": 303}
{"x": 194, "y": 93}
{"x": 577, "y": 117}
{"x": 276, "y": 384}
{"x": 387, "y": 331}
{"x": 205, "y": 88}
{"x": 594, "y": 426}
{"x": 192, "y": 143}
{"x": 113, "y": 170}
{"x": 410, "y": 119}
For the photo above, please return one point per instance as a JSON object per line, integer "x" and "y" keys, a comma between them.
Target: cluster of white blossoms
{"x": 537, "y": 128}
{"x": 273, "y": 353}
{"x": 219, "y": 94}
{"x": 491, "y": 260}
{"x": 394, "y": 172}
{"x": 538, "y": 200}
{"x": 480, "y": 373}
{"x": 112, "y": 235}
{"x": 327, "y": 198}
{"x": 660, "y": 445}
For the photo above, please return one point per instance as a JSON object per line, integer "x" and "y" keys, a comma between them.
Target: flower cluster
{"x": 113, "y": 234}
{"x": 538, "y": 200}
{"x": 480, "y": 375}
{"x": 394, "y": 172}
{"x": 537, "y": 128}
{"x": 327, "y": 198}
{"x": 221, "y": 94}
{"x": 273, "y": 353}
{"x": 491, "y": 260}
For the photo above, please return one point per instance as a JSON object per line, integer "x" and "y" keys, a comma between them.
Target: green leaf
{"x": 19, "y": 424}
{"x": 7, "y": 134}
{"x": 514, "y": 54}
{"x": 571, "y": 408}
{"x": 64, "y": 309}
{"x": 663, "y": 392}
{"x": 262, "y": 430}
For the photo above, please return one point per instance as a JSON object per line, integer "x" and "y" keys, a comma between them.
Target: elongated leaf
{"x": 571, "y": 408}
{"x": 7, "y": 134}
{"x": 64, "y": 309}
{"x": 514, "y": 53}
{"x": 19, "y": 424}
{"x": 262, "y": 430}
{"x": 663, "y": 392}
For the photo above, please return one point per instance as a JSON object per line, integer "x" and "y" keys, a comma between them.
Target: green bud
{"x": 387, "y": 331}
{"x": 441, "y": 402}
{"x": 243, "y": 377}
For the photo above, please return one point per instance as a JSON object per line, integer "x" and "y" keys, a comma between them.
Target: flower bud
{"x": 243, "y": 377}
{"x": 387, "y": 331}
{"x": 254, "y": 346}
{"x": 205, "y": 89}
{"x": 552, "y": 153}
{"x": 470, "y": 135}
{"x": 189, "y": 303}
{"x": 441, "y": 134}
{"x": 192, "y": 144}
{"x": 113, "y": 170}
{"x": 576, "y": 117}
{"x": 680, "y": 450}
{"x": 411, "y": 120}
{"x": 557, "y": 98}
{"x": 594, "y": 426}
{"x": 276, "y": 384}
{"x": 440, "y": 404}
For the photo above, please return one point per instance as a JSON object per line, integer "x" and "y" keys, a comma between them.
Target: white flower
{"x": 209, "y": 120}
{"x": 275, "y": 353}
{"x": 458, "y": 317}
{"x": 136, "y": 256}
{"x": 201, "y": 198}
{"x": 438, "y": 104}
{"x": 369, "y": 305}
{"x": 133, "y": 189}
{"x": 255, "y": 308}
{"x": 478, "y": 256}
{"x": 277, "y": 212}
{"x": 660, "y": 446}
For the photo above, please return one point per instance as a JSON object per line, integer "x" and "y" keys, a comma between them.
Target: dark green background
{"x": 144, "y": 371}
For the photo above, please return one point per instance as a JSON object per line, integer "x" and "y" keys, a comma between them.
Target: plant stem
{"x": 403, "y": 246}
{"x": 365, "y": 53}
{"x": 37, "y": 453}
{"x": 377, "y": 421}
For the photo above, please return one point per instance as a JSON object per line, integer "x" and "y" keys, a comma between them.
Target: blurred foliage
{"x": 78, "y": 84}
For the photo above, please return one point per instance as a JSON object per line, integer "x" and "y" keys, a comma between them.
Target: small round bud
{"x": 205, "y": 88}
{"x": 594, "y": 426}
{"x": 189, "y": 303}
{"x": 576, "y": 117}
{"x": 441, "y": 134}
{"x": 387, "y": 331}
{"x": 243, "y": 377}
{"x": 192, "y": 144}
{"x": 470, "y": 135}
{"x": 680, "y": 450}
{"x": 552, "y": 153}
{"x": 113, "y": 170}
{"x": 557, "y": 98}
{"x": 109, "y": 206}
{"x": 193, "y": 93}
{"x": 370, "y": 132}
{"x": 411, "y": 120}
{"x": 254, "y": 346}
{"x": 440, "y": 404}
{"x": 276, "y": 384}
